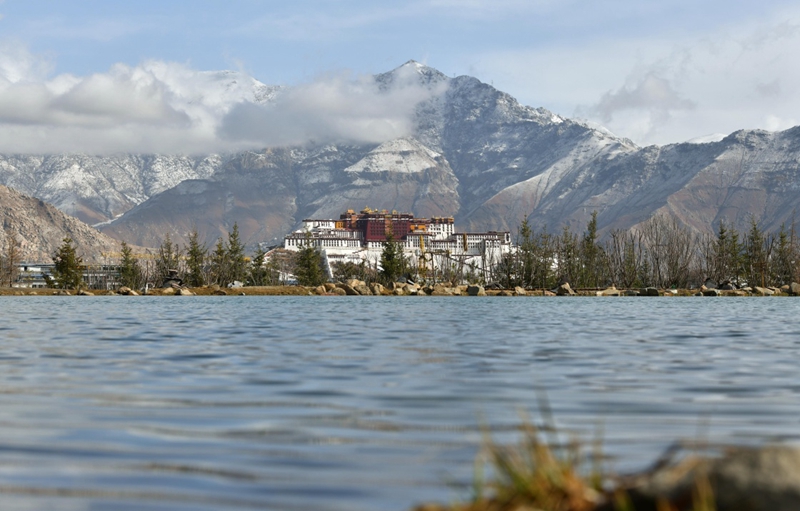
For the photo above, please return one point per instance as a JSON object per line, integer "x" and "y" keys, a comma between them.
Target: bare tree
{"x": 670, "y": 251}
{"x": 10, "y": 261}
{"x": 625, "y": 252}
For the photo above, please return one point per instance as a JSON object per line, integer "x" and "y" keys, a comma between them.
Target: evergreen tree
{"x": 756, "y": 255}
{"x": 130, "y": 274}
{"x": 591, "y": 256}
{"x": 735, "y": 256}
{"x": 721, "y": 265}
{"x": 527, "y": 257}
{"x": 308, "y": 265}
{"x": 393, "y": 262}
{"x": 237, "y": 265}
{"x": 195, "y": 260}
{"x": 567, "y": 256}
{"x": 68, "y": 270}
{"x": 260, "y": 273}
{"x": 505, "y": 272}
{"x": 220, "y": 264}
{"x": 545, "y": 255}
{"x": 781, "y": 270}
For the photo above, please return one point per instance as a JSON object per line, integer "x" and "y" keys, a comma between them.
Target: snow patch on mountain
{"x": 402, "y": 155}
{"x": 714, "y": 137}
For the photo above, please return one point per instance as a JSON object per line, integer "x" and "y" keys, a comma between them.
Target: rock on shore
{"x": 743, "y": 479}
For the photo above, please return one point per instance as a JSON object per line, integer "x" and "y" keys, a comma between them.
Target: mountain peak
{"x": 411, "y": 72}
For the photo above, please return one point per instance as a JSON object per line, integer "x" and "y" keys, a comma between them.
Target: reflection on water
{"x": 331, "y": 403}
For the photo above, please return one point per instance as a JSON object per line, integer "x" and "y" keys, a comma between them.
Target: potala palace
{"x": 429, "y": 243}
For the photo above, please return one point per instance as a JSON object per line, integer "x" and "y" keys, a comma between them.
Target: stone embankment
{"x": 360, "y": 288}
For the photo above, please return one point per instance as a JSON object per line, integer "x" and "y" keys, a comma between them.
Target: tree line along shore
{"x": 661, "y": 256}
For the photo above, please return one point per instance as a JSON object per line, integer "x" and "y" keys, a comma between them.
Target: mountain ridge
{"x": 474, "y": 153}
{"x": 40, "y": 228}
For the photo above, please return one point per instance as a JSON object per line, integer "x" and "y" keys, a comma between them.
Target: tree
{"x": 393, "y": 262}
{"x": 782, "y": 264}
{"x": 505, "y": 271}
{"x": 195, "y": 260}
{"x": 567, "y": 257}
{"x": 68, "y": 271}
{"x": 308, "y": 265}
{"x": 237, "y": 266}
{"x": 260, "y": 274}
{"x": 346, "y": 270}
{"x": 9, "y": 263}
{"x": 220, "y": 264}
{"x": 130, "y": 274}
{"x": 526, "y": 256}
{"x": 757, "y": 250}
{"x": 591, "y": 256}
{"x": 670, "y": 249}
{"x": 724, "y": 255}
{"x": 624, "y": 257}
{"x": 168, "y": 258}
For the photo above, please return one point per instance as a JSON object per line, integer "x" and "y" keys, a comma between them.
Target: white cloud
{"x": 651, "y": 93}
{"x": 19, "y": 65}
{"x": 170, "y": 108}
{"x": 664, "y": 89}
{"x": 335, "y": 108}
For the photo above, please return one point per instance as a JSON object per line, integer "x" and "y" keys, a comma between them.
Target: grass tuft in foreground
{"x": 537, "y": 475}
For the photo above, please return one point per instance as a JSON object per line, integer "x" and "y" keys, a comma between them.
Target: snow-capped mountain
{"x": 474, "y": 152}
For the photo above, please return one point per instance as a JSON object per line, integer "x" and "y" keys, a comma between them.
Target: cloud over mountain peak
{"x": 164, "y": 107}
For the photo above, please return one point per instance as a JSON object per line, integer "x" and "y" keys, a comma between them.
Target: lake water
{"x": 219, "y": 403}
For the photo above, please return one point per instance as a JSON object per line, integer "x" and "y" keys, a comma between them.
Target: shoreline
{"x": 361, "y": 289}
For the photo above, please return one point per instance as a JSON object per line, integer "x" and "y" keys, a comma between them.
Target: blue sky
{"x": 654, "y": 71}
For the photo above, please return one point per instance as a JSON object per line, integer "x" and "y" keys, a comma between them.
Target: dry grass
{"x": 537, "y": 475}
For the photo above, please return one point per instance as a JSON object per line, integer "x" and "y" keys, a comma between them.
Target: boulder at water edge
{"x": 565, "y": 290}
{"x": 441, "y": 290}
{"x": 348, "y": 289}
{"x": 476, "y": 291}
{"x": 611, "y": 291}
{"x": 743, "y": 479}
{"x": 794, "y": 289}
{"x": 363, "y": 289}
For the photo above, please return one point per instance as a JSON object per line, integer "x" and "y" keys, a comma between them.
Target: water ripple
{"x": 313, "y": 403}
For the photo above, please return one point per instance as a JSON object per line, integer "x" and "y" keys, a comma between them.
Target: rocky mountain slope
{"x": 40, "y": 229}
{"x": 475, "y": 153}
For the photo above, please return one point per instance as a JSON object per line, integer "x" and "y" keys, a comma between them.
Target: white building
{"x": 430, "y": 244}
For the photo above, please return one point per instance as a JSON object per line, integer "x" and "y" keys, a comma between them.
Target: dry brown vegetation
{"x": 537, "y": 475}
